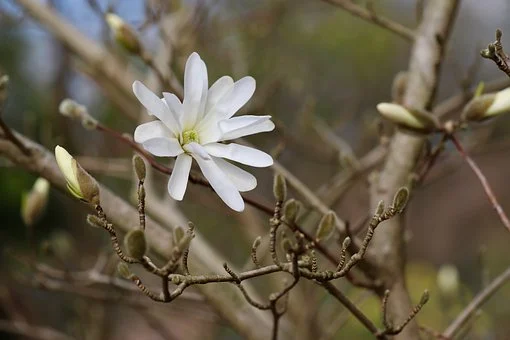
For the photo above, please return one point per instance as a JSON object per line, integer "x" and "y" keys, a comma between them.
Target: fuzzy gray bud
{"x": 279, "y": 188}
{"x": 123, "y": 270}
{"x": 135, "y": 243}
{"x": 326, "y": 226}
{"x": 291, "y": 210}
{"x": 140, "y": 168}
{"x": 400, "y": 199}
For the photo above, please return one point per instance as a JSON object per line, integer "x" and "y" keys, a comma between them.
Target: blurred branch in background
{"x": 31, "y": 331}
{"x": 370, "y": 15}
{"x": 456, "y": 326}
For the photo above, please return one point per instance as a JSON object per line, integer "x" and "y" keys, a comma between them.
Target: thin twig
{"x": 431, "y": 159}
{"x": 358, "y": 314}
{"x": 495, "y": 52}
{"x": 483, "y": 180}
{"x": 370, "y": 16}
{"x": 473, "y": 306}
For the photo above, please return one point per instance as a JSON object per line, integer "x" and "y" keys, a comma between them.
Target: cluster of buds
{"x": 79, "y": 182}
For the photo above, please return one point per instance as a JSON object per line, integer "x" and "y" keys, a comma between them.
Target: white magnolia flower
{"x": 197, "y": 127}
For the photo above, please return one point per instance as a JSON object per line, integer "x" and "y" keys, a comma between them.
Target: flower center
{"x": 189, "y": 136}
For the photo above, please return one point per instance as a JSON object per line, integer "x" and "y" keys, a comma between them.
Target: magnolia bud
{"x": 140, "y": 168}
{"x": 291, "y": 210}
{"x": 400, "y": 199}
{"x": 124, "y": 34}
{"x": 79, "y": 182}
{"x": 279, "y": 188}
{"x": 487, "y": 106}
{"x": 34, "y": 203}
{"x": 73, "y": 110}
{"x": 379, "y": 210}
{"x": 326, "y": 226}
{"x": 135, "y": 243}
{"x": 413, "y": 120}
{"x": 123, "y": 270}
{"x": 448, "y": 280}
{"x": 425, "y": 297}
{"x": 94, "y": 221}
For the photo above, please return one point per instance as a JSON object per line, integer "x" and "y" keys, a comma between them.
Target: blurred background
{"x": 320, "y": 72}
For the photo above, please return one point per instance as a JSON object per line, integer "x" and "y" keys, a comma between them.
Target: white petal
{"x": 154, "y": 105}
{"x": 195, "y": 91}
{"x": 244, "y": 126}
{"x": 173, "y": 102}
{"x": 197, "y": 150}
{"x": 218, "y": 90}
{"x": 154, "y": 129}
{"x": 163, "y": 147}
{"x": 242, "y": 92}
{"x": 239, "y": 153}
{"x": 65, "y": 163}
{"x": 175, "y": 106}
{"x": 221, "y": 184}
{"x": 243, "y": 180}
{"x": 179, "y": 178}
{"x": 501, "y": 103}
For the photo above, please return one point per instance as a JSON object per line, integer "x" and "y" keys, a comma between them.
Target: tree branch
{"x": 386, "y": 257}
{"x": 368, "y": 14}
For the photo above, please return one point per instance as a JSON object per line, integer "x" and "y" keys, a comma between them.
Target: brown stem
{"x": 483, "y": 180}
{"x": 358, "y": 314}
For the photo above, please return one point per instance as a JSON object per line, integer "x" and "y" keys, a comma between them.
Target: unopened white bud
{"x": 34, "y": 203}
{"x": 414, "y": 120}
{"x": 487, "y": 106}
{"x": 79, "y": 182}
{"x": 124, "y": 34}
